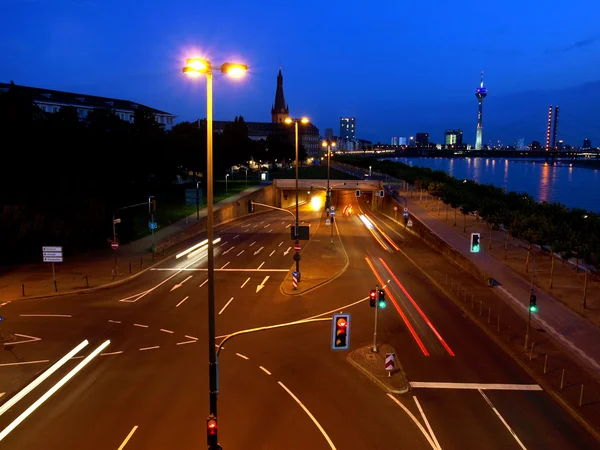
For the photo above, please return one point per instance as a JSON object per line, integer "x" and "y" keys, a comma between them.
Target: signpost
{"x": 53, "y": 255}
{"x": 114, "y": 245}
{"x": 194, "y": 197}
{"x": 297, "y": 247}
{"x": 390, "y": 363}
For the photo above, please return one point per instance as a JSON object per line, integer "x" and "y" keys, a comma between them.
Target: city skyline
{"x": 80, "y": 54}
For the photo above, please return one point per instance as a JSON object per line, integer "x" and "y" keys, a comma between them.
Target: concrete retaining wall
{"x": 386, "y": 206}
{"x": 226, "y": 213}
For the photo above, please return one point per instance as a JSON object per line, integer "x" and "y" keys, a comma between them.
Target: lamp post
{"x": 328, "y": 144}
{"x": 226, "y": 176}
{"x": 195, "y": 67}
{"x": 303, "y": 121}
{"x": 246, "y": 176}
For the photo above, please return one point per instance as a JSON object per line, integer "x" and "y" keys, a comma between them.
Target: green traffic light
{"x": 533, "y": 308}
{"x": 382, "y": 304}
{"x": 476, "y": 248}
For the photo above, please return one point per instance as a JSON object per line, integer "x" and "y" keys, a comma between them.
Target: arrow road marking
{"x": 177, "y": 286}
{"x": 287, "y": 251}
{"x": 262, "y": 285}
{"x": 228, "y": 250}
{"x": 29, "y": 339}
{"x": 258, "y": 251}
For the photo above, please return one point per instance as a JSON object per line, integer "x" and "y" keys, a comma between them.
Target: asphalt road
{"x": 283, "y": 388}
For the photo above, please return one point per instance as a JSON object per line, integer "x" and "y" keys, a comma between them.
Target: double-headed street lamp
{"x": 303, "y": 121}
{"x": 328, "y": 144}
{"x": 196, "y": 67}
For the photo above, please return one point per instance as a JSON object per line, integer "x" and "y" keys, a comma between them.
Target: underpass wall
{"x": 287, "y": 198}
{"x": 386, "y": 206}
{"x": 226, "y": 213}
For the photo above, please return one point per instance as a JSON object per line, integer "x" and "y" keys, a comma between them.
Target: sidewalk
{"x": 96, "y": 269}
{"x": 322, "y": 261}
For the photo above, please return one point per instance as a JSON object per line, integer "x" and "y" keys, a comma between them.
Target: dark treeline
{"x": 61, "y": 177}
{"x": 569, "y": 232}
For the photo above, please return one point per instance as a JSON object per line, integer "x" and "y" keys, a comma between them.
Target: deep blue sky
{"x": 398, "y": 67}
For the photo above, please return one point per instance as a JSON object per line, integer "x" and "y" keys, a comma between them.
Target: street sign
{"x": 114, "y": 245}
{"x": 297, "y": 247}
{"x": 116, "y": 221}
{"x": 328, "y": 222}
{"x": 332, "y": 208}
{"x": 409, "y": 223}
{"x": 193, "y": 197}
{"x": 152, "y": 225}
{"x": 405, "y": 209}
{"x": 303, "y": 233}
{"x": 52, "y": 254}
{"x": 405, "y": 215}
{"x": 332, "y": 213}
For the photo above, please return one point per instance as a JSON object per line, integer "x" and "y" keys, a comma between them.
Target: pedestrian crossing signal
{"x": 340, "y": 332}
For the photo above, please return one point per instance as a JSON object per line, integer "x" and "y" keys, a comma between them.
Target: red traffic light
{"x": 211, "y": 427}
{"x": 373, "y": 294}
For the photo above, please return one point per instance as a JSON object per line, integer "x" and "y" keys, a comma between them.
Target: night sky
{"x": 398, "y": 67}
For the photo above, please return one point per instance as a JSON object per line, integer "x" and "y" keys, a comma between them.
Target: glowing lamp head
{"x": 304, "y": 120}
{"x": 324, "y": 144}
{"x": 234, "y": 70}
{"x": 196, "y": 66}
{"x": 288, "y": 120}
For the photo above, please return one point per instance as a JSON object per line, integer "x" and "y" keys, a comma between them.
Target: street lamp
{"x": 303, "y": 120}
{"x": 328, "y": 144}
{"x": 195, "y": 67}
{"x": 226, "y": 176}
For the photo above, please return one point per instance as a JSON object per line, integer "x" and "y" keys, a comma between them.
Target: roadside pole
{"x": 375, "y": 349}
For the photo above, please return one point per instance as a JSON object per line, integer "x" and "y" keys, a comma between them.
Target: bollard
{"x": 489, "y": 314}
{"x": 129, "y": 268}
{"x": 545, "y": 363}
{"x": 23, "y": 290}
{"x": 480, "y": 307}
{"x": 581, "y": 396}
{"x": 55, "y": 286}
{"x": 87, "y": 282}
{"x": 562, "y": 379}
{"x": 531, "y": 351}
{"x": 498, "y": 323}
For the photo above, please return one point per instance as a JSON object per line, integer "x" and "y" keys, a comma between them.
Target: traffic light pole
{"x": 375, "y": 349}
{"x": 297, "y": 211}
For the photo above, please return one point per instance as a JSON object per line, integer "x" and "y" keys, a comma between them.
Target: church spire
{"x": 280, "y": 110}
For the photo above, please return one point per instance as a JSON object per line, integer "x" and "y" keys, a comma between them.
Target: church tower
{"x": 280, "y": 110}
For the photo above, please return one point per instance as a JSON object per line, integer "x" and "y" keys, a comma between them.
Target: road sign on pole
{"x": 52, "y": 254}
{"x": 297, "y": 247}
{"x": 390, "y": 363}
{"x": 114, "y": 245}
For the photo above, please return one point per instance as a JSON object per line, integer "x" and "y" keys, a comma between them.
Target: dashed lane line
{"x": 181, "y": 302}
{"x": 140, "y": 325}
{"x": 226, "y": 305}
{"x": 149, "y": 348}
{"x": 242, "y": 356}
{"x": 166, "y": 331}
{"x": 245, "y": 282}
{"x": 264, "y": 370}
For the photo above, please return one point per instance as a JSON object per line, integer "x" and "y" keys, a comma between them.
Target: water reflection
{"x": 553, "y": 182}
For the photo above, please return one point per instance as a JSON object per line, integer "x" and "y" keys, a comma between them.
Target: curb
{"x": 322, "y": 283}
{"x": 540, "y": 380}
{"x": 377, "y": 381}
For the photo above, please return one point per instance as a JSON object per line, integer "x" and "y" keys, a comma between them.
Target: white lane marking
{"x": 551, "y": 330}
{"x": 254, "y": 226}
{"x": 267, "y": 225}
{"x": 414, "y": 419}
{"x": 78, "y": 357}
{"x": 2, "y": 393}
{"x": 270, "y": 230}
{"x": 252, "y": 243}
{"x": 261, "y": 222}
{"x": 245, "y": 226}
{"x": 166, "y": 331}
{"x": 258, "y": 251}
{"x": 226, "y": 305}
{"x": 132, "y": 296}
{"x": 287, "y": 251}
{"x": 29, "y": 339}
{"x": 245, "y": 282}
{"x": 223, "y": 244}
{"x": 149, "y": 348}
{"x": 111, "y": 353}
{"x": 233, "y": 270}
{"x": 262, "y": 264}
{"x": 502, "y": 420}
{"x": 140, "y": 325}
{"x": 262, "y": 285}
{"x": 271, "y": 254}
{"x": 181, "y": 302}
{"x": 288, "y": 225}
{"x": 191, "y": 337}
{"x": 309, "y": 414}
{"x": 127, "y": 438}
{"x": 47, "y": 373}
{"x": 264, "y": 370}
{"x": 242, "y": 356}
{"x": 240, "y": 253}
{"x": 482, "y": 386}
{"x": 236, "y": 236}
{"x": 226, "y": 264}
{"x": 431, "y": 433}
{"x": 186, "y": 342}
{"x": 178, "y": 285}
{"x": 114, "y": 321}
{"x": 2, "y": 304}
{"x": 228, "y": 250}
{"x": 45, "y": 315}
{"x": 52, "y": 390}
{"x": 341, "y": 308}
{"x": 23, "y": 363}
{"x": 280, "y": 244}
{"x": 203, "y": 283}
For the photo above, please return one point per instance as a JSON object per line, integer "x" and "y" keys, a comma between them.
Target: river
{"x": 575, "y": 187}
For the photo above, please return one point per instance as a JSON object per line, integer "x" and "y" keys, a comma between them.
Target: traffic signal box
{"x": 340, "y": 332}
{"x": 533, "y": 303}
{"x": 372, "y": 298}
{"x": 381, "y": 301}
{"x": 475, "y": 242}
